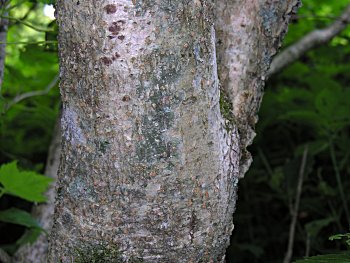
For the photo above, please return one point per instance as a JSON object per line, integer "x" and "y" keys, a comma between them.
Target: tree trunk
{"x": 3, "y": 38}
{"x": 43, "y": 213}
{"x": 153, "y": 142}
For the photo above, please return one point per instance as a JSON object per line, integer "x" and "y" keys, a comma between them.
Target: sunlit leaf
{"x": 25, "y": 184}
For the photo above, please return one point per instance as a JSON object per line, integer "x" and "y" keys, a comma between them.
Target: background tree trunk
{"x": 3, "y": 38}
{"x": 152, "y": 147}
{"x": 43, "y": 213}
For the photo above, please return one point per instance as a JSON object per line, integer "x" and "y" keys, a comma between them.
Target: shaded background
{"x": 305, "y": 111}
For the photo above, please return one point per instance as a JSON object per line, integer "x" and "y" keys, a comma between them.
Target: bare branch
{"x": 33, "y": 93}
{"x": 311, "y": 40}
{"x": 27, "y": 24}
{"x": 29, "y": 43}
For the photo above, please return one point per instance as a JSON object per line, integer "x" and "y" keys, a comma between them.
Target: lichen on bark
{"x": 100, "y": 252}
{"x": 149, "y": 161}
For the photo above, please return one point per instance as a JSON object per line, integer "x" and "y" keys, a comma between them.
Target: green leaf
{"x": 24, "y": 184}
{"x": 30, "y": 236}
{"x": 18, "y": 217}
{"x": 330, "y": 258}
{"x": 341, "y": 236}
{"x": 314, "y": 227}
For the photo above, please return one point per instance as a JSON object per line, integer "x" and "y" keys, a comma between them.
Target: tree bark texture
{"x": 159, "y": 103}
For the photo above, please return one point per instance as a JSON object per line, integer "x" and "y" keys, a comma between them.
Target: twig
{"x": 295, "y": 211}
{"x": 311, "y": 40}
{"x": 316, "y": 17}
{"x": 339, "y": 182}
{"x": 33, "y": 93}
{"x": 30, "y": 43}
{"x": 27, "y": 24}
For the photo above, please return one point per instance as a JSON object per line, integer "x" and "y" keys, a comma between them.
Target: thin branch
{"x": 30, "y": 43}
{"x": 295, "y": 210}
{"x": 316, "y": 17}
{"x": 33, "y": 93}
{"x": 34, "y": 5}
{"x": 27, "y": 24}
{"x": 311, "y": 40}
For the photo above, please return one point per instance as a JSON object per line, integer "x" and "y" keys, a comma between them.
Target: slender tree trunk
{"x": 153, "y": 144}
{"x": 4, "y": 257}
{"x": 43, "y": 213}
{"x": 3, "y": 38}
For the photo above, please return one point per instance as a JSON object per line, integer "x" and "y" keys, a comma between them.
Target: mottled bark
{"x": 248, "y": 35}
{"x": 151, "y": 160}
{"x": 43, "y": 213}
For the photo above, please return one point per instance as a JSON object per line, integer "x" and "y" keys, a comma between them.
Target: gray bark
{"x": 150, "y": 161}
{"x": 248, "y": 35}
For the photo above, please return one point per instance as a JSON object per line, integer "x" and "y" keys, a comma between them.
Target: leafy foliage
{"x": 341, "y": 236}
{"x": 19, "y": 217}
{"x": 26, "y": 120}
{"x": 27, "y": 185}
{"x": 331, "y": 258}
